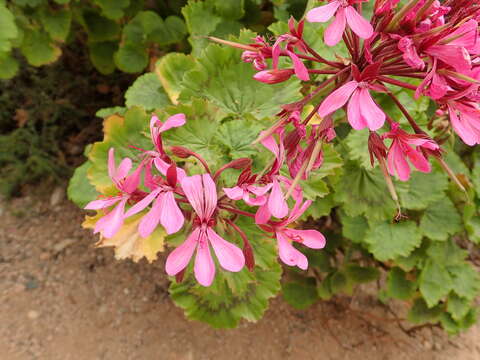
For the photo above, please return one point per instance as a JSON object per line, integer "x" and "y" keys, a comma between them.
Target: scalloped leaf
{"x": 422, "y": 190}
{"x": 170, "y": 69}
{"x": 388, "y": 241}
{"x": 147, "y": 92}
{"x": 435, "y": 283}
{"x": 221, "y": 77}
{"x": 8, "y": 29}
{"x": 440, "y": 220}
{"x": 38, "y": 48}
{"x": 80, "y": 191}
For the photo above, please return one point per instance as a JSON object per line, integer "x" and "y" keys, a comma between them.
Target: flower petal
{"x": 288, "y": 254}
{"x": 357, "y": 23}
{"x": 234, "y": 193}
{"x": 142, "y": 204}
{"x": 229, "y": 256}
{"x": 371, "y": 112}
{"x": 171, "y": 218}
{"x": 334, "y": 32}
{"x": 310, "y": 238}
{"x": 210, "y": 192}
{"x": 323, "y": 13}
{"x": 151, "y": 219}
{"x": 113, "y": 221}
{"x": 180, "y": 257}
{"x": 354, "y": 114}
{"x": 277, "y": 204}
{"x": 176, "y": 120}
{"x": 204, "y": 266}
{"x": 299, "y": 67}
{"x": 102, "y": 203}
{"x": 163, "y": 167}
{"x": 337, "y": 99}
{"x": 263, "y": 214}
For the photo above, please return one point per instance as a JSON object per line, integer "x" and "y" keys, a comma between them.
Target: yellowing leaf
{"x": 127, "y": 241}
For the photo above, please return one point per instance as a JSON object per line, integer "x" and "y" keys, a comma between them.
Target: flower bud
{"x": 181, "y": 152}
{"x": 274, "y": 76}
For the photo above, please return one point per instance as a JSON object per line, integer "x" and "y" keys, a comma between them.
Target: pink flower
{"x": 401, "y": 150}
{"x": 245, "y": 188}
{"x": 109, "y": 224}
{"x": 344, "y": 13}
{"x": 362, "y": 110}
{"x": 157, "y": 128}
{"x": 201, "y": 193}
{"x": 286, "y": 236}
{"x": 165, "y": 209}
{"x": 410, "y": 54}
{"x": 465, "y": 119}
{"x": 292, "y": 41}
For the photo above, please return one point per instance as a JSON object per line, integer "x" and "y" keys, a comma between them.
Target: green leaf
{"x": 138, "y": 30}
{"x": 146, "y": 92}
{"x": 398, "y": 286}
{"x": 338, "y": 282}
{"x": 39, "y": 49}
{"x": 354, "y": 228}
{"x": 106, "y": 112}
{"x": 420, "y": 313}
{"x": 388, "y": 241}
{"x": 8, "y": 66}
{"x": 446, "y": 253}
{"x": 237, "y": 136}
{"x": 101, "y": 55}
{"x": 31, "y": 3}
{"x": 232, "y": 296}
{"x": 466, "y": 280}
{"x": 357, "y": 143}
{"x": 80, "y": 191}
{"x": 200, "y": 130}
{"x": 170, "y": 31}
{"x": 332, "y": 162}
{"x": 364, "y": 192}
{"x": 458, "y": 307}
{"x": 359, "y": 274}
{"x": 454, "y": 327}
{"x": 100, "y": 28}
{"x": 422, "y": 190}
{"x": 435, "y": 283}
{"x": 113, "y": 9}
{"x": 300, "y": 295}
{"x": 8, "y": 29}
{"x": 131, "y": 58}
{"x": 56, "y": 23}
{"x": 221, "y": 77}
{"x": 195, "y": 14}
{"x": 170, "y": 70}
{"x": 230, "y": 9}
{"x": 440, "y": 220}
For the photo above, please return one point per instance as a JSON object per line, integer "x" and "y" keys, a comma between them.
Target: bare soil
{"x": 63, "y": 299}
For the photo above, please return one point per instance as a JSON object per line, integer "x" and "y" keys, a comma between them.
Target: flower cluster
{"x": 169, "y": 197}
{"x": 426, "y": 46}
{"x": 433, "y": 45}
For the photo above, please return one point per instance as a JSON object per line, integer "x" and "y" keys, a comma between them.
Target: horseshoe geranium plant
{"x": 328, "y": 143}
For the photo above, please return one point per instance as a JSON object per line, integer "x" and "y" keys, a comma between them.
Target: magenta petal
{"x": 234, "y": 193}
{"x": 337, "y": 99}
{"x": 263, "y": 214}
{"x": 397, "y": 162}
{"x": 113, "y": 221}
{"x": 288, "y": 254}
{"x": 193, "y": 188}
{"x": 176, "y": 120}
{"x": 358, "y": 24}
{"x": 455, "y": 56}
{"x": 204, "y": 266}
{"x": 276, "y": 201}
{"x": 310, "y": 238}
{"x": 373, "y": 115}
{"x": 299, "y": 67}
{"x": 259, "y": 190}
{"x": 229, "y": 256}
{"x": 419, "y": 161}
{"x": 171, "y": 217}
{"x": 334, "y": 32}
{"x": 460, "y": 128}
{"x": 210, "y": 195}
{"x": 254, "y": 201}
{"x": 180, "y": 257}
{"x": 299, "y": 209}
{"x": 354, "y": 114}
{"x": 142, "y": 204}
{"x": 102, "y": 203}
{"x": 323, "y": 13}
{"x": 151, "y": 219}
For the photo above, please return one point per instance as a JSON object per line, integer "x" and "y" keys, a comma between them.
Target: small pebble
{"x": 32, "y": 314}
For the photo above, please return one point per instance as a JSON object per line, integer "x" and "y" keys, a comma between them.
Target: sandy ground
{"x": 62, "y": 299}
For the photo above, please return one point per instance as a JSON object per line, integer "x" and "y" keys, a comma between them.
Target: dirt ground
{"x": 62, "y": 299}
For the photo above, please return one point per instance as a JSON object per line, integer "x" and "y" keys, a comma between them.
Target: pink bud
{"x": 274, "y": 76}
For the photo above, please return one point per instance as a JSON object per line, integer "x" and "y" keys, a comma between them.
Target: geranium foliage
{"x": 329, "y": 143}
